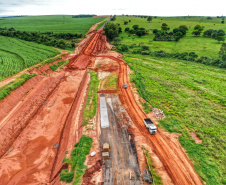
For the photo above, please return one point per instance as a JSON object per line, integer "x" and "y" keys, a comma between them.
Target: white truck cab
{"x": 150, "y": 126}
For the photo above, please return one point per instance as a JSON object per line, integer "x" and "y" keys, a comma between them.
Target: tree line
{"x": 58, "y": 40}
{"x": 83, "y": 15}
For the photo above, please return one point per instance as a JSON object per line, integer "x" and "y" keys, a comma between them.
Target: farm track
{"x": 174, "y": 159}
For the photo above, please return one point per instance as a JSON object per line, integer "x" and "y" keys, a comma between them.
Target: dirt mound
{"x": 108, "y": 91}
{"x": 111, "y": 67}
{"x": 79, "y": 62}
{"x": 158, "y": 113}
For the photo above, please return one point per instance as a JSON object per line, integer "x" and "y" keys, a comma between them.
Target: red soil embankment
{"x": 7, "y": 104}
{"x": 11, "y": 127}
{"x": 35, "y": 150}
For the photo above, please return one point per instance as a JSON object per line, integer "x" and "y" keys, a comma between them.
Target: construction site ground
{"x": 42, "y": 120}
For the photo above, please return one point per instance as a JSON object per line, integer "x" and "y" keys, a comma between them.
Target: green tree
{"x": 197, "y": 27}
{"x": 135, "y": 27}
{"x": 111, "y": 30}
{"x": 183, "y": 27}
{"x": 113, "y": 18}
{"x": 127, "y": 29}
{"x": 222, "y": 22}
{"x": 165, "y": 27}
{"x": 222, "y": 52}
{"x": 125, "y": 22}
{"x": 220, "y": 38}
{"x": 149, "y": 18}
{"x": 196, "y": 33}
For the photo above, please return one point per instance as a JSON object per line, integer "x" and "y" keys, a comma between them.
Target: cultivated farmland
{"x": 16, "y": 55}
{"x": 51, "y": 23}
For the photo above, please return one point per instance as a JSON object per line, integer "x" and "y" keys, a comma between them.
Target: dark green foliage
{"x": 165, "y": 27}
{"x": 176, "y": 35}
{"x": 66, "y": 176}
{"x": 127, "y": 29}
{"x": 113, "y": 18}
{"x": 183, "y": 27}
{"x": 111, "y": 31}
{"x": 7, "y": 89}
{"x": 59, "y": 40}
{"x": 196, "y": 33}
{"x": 83, "y": 16}
{"x": 218, "y": 35}
{"x": 59, "y": 64}
{"x": 125, "y": 22}
{"x": 78, "y": 157}
{"x": 149, "y": 18}
{"x": 135, "y": 27}
{"x": 222, "y": 52}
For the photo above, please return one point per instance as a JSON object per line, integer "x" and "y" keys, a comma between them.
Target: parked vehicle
{"x": 150, "y": 126}
{"x": 106, "y": 151}
{"x": 125, "y": 86}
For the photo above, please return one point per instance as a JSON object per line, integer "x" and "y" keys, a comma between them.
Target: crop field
{"x": 51, "y": 23}
{"x": 16, "y": 55}
{"x": 193, "y": 97}
{"x": 200, "y": 45}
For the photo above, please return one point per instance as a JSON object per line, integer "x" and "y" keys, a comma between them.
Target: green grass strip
{"x": 78, "y": 157}
{"x": 7, "y": 89}
{"x": 91, "y": 102}
{"x": 60, "y": 64}
{"x": 157, "y": 179}
{"x": 101, "y": 24}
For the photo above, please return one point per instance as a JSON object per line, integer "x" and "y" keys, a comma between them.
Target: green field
{"x": 193, "y": 97}
{"x": 200, "y": 45}
{"x": 51, "y": 23}
{"x": 16, "y": 55}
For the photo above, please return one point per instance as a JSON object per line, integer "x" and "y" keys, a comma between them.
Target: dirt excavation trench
{"x": 45, "y": 120}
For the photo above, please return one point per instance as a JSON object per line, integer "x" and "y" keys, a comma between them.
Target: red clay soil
{"x": 7, "y": 104}
{"x": 36, "y": 146}
{"x": 109, "y": 91}
{"x": 111, "y": 67}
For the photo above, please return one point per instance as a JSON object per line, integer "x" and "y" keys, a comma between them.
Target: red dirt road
{"x": 176, "y": 162}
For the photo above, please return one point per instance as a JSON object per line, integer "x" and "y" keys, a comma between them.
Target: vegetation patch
{"x": 16, "y": 55}
{"x": 60, "y": 64}
{"x": 76, "y": 162}
{"x": 110, "y": 82}
{"x": 192, "y": 96}
{"x": 92, "y": 97}
{"x": 58, "y": 40}
{"x": 7, "y": 89}
{"x": 157, "y": 179}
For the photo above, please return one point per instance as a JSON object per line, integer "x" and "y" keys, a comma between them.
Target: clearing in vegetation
{"x": 16, "y": 55}
{"x": 193, "y": 98}
{"x": 51, "y": 23}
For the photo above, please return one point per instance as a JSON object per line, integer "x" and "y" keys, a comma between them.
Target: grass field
{"x": 193, "y": 97}
{"x": 16, "y": 55}
{"x": 51, "y": 23}
{"x": 202, "y": 46}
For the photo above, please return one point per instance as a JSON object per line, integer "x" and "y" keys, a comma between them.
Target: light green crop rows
{"x": 16, "y": 55}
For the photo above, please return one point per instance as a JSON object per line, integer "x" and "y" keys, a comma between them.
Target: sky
{"x": 118, "y": 7}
